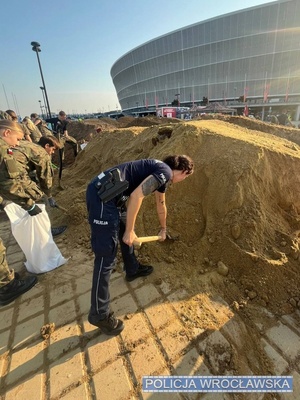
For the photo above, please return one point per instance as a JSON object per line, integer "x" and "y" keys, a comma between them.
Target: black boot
{"x": 59, "y": 230}
{"x": 15, "y": 288}
{"x": 110, "y": 325}
{"x": 143, "y": 270}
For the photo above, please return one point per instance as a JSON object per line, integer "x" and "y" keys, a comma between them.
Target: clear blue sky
{"x": 80, "y": 41}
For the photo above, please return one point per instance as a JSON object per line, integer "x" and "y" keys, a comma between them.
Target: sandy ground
{"x": 235, "y": 220}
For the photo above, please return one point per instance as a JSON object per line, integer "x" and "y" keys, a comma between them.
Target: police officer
{"x": 12, "y": 188}
{"x": 111, "y": 220}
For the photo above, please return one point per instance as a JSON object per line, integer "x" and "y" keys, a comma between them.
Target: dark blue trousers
{"x": 107, "y": 228}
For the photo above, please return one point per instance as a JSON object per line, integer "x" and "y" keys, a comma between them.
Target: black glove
{"x": 4, "y": 204}
{"x": 35, "y": 210}
{"x": 52, "y": 202}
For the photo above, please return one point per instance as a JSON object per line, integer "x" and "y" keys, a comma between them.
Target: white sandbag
{"x": 33, "y": 234}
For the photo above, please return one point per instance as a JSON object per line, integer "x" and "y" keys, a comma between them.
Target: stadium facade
{"x": 252, "y": 54}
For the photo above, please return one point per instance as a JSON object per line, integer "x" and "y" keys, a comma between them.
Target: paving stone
{"x": 26, "y": 361}
{"x": 165, "y": 287}
{"x": 6, "y": 315}
{"x": 178, "y": 295}
{"x": 84, "y": 284}
{"x": 217, "y": 350}
{"x": 14, "y": 250}
{"x": 160, "y": 314}
{"x": 63, "y": 339}
{"x": 110, "y": 375}
{"x": 279, "y": 364}
{"x": 30, "y": 307}
{"x": 191, "y": 364}
{"x": 296, "y": 387}
{"x": 236, "y": 330}
{"x": 64, "y": 372}
{"x": 160, "y": 396}
{"x": 60, "y": 294}
{"x": 33, "y": 292}
{"x": 146, "y": 294}
{"x": 117, "y": 287}
{"x": 146, "y": 359}
{"x": 286, "y": 340}
{"x": 30, "y": 389}
{"x": 84, "y": 302}
{"x": 15, "y": 261}
{"x": 81, "y": 392}
{"x": 102, "y": 349}
{"x": 4, "y": 341}
{"x": 173, "y": 339}
{"x": 123, "y": 305}
{"x": 135, "y": 328}
{"x": 62, "y": 314}
{"x": 28, "y": 330}
{"x": 292, "y": 320}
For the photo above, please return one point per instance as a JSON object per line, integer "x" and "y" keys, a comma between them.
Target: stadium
{"x": 247, "y": 58}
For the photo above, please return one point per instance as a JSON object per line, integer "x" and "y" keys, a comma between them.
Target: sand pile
{"x": 237, "y": 216}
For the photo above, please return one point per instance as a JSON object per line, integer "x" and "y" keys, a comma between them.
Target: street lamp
{"x": 37, "y": 48}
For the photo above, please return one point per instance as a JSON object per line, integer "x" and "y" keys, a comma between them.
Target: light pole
{"x": 37, "y": 48}
{"x": 40, "y": 101}
{"x": 42, "y": 89}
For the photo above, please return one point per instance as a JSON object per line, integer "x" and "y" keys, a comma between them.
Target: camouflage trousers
{"x": 6, "y": 275}
{"x": 70, "y": 141}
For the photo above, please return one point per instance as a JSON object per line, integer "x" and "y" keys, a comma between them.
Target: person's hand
{"x": 4, "y": 203}
{"x": 129, "y": 238}
{"x": 163, "y": 234}
{"x": 52, "y": 202}
{"x": 35, "y": 210}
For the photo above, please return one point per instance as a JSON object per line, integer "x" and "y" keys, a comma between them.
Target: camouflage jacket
{"x": 15, "y": 184}
{"x": 32, "y": 157}
{"x": 45, "y": 131}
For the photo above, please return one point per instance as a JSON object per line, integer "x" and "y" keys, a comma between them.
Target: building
{"x": 251, "y": 54}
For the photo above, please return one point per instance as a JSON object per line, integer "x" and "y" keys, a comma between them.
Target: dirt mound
{"x": 237, "y": 216}
{"x": 126, "y": 122}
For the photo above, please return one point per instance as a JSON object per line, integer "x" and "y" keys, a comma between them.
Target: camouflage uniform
{"x": 15, "y": 184}
{"x": 35, "y": 133}
{"x": 45, "y": 131}
{"x": 11, "y": 186}
{"x": 33, "y": 157}
{"x": 6, "y": 275}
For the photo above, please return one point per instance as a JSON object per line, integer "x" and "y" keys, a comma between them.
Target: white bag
{"x": 33, "y": 235}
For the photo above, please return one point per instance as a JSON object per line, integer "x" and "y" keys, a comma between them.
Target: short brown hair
{"x": 50, "y": 140}
{"x": 62, "y": 113}
{"x": 181, "y": 163}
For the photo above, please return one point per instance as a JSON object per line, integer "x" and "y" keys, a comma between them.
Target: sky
{"x": 80, "y": 41}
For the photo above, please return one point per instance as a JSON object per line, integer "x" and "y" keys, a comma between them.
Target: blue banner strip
{"x": 218, "y": 384}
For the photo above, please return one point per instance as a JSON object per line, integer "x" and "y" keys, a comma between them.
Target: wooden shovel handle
{"x": 145, "y": 239}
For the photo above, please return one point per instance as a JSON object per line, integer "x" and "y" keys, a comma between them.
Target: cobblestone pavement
{"x": 78, "y": 362}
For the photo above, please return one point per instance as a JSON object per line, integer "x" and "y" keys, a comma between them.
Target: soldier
{"x": 35, "y": 133}
{"x": 37, "y": 157}
{"x": 61, "y": 129}
{"x": 41, "y": 125}
{"x": 12, "y": 188}
{"x": 10, "y": 114}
